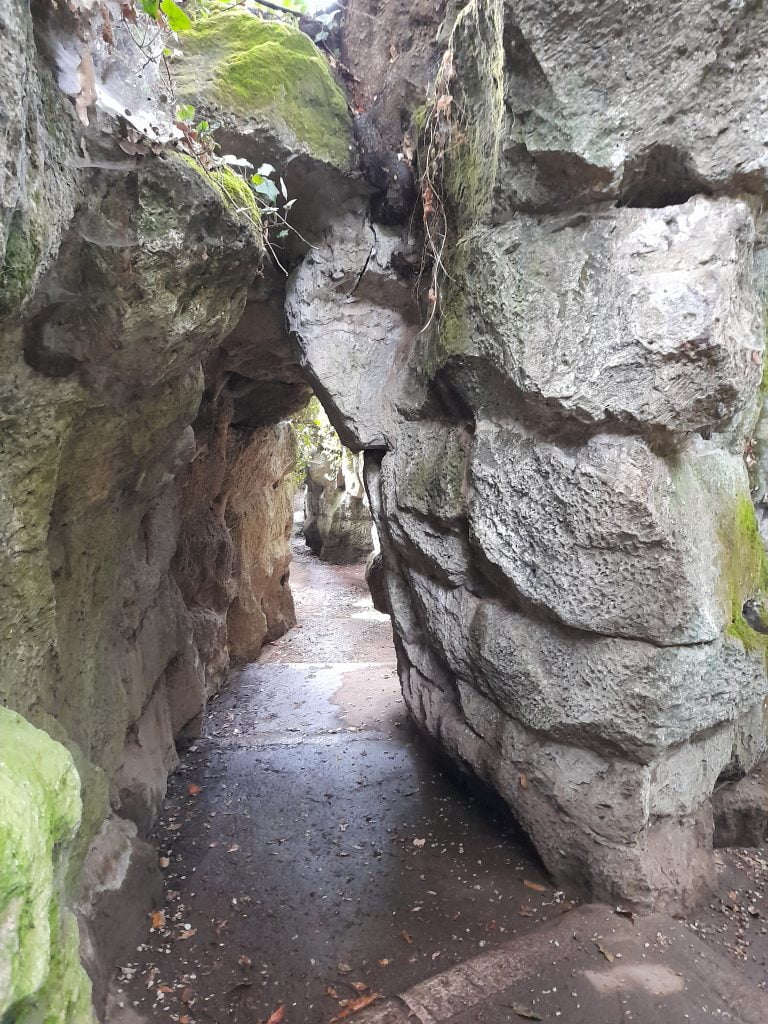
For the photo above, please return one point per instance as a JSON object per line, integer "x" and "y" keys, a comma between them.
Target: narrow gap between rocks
{"x": 314, "y": 846}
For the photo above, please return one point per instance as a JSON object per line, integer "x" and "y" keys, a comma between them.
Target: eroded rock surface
{"x": 556, "y": 468}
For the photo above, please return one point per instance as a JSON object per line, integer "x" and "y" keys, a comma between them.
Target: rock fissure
{"x": 560, "y": 465}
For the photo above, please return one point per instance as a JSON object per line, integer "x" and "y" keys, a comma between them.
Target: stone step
{"x": 591, "y": 966}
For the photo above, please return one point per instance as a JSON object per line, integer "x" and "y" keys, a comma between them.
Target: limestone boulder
{"x": 355, "y": 320}
{"x": 267, "y": 79}
{"x": 608, "y": 537}
{"x": 555, "y": 460}
{"x": 740, "y": 809}
{"x": 598, "y": 102}
{"x": 624, "y": 697}
{"x": 646, "y": 318}
{"x": 337, "y": 520}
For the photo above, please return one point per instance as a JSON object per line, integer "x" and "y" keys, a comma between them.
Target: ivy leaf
{"x": 150, "y": 7}
{"x": 185, "y": 112}
{"x": 265, "y": 170}
{"x": 264, "y": 187}
{"x": 178, "y": 20}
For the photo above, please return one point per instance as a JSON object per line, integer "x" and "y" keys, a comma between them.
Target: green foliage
{"x": 178, "y": 20}
{"x": 746, "y": 574}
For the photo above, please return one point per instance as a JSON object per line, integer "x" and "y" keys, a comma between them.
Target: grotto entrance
{"x": 312, "y": 843}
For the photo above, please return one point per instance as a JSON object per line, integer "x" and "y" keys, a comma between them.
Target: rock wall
{"x": 144, "y": 465}
{"x": 557, "y": 468}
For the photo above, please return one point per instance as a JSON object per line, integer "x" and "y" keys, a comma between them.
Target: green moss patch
{"x": 234, "y": 192}
{"x": 41, "y": 978}
{"x": 17, "y": 274}
{"x": 746, "y": 573}
{"x": 250, "y": 67}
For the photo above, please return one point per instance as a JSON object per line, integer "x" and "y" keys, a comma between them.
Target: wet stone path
{"x": 314, "y": 850}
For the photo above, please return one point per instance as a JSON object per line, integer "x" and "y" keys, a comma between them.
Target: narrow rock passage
{"x": 314, "y": 844}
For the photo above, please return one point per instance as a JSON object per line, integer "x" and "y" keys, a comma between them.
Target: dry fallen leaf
{"x": 523, "y": 780}
{"x": 233, "y": 848}
{"x": 133, "y": 148}
{"x": 158, "y": 919}
{"x": 384, "y": 962}
{"x": 277, "y": 1015}
{"x": 331, "y": 991}
{"x": 165, "y": 862}
{"x": 406, "y": 936}
{"x": 87, "y": 94}
{"x": 185, "y": 1019}
{"x": 343, "y": 968}
{"x": 534, "y": 885}
{"x": 527, "y": 912}
{"x": 188, "y": 933}
{"x": 245, "y": 961}
{"x": 524, "y": 1011}
{"x": 193, "y": 789}
{"x": 606, "y": 953}
{"x": 359, "y": 986}
{"x": 355, "y": 1005}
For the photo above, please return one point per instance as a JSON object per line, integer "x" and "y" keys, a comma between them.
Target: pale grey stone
{"x": 355, "y": 321}
{"x": 607, "y": 536}
{"x": 646, "y": 103}
{"x": 642, "y": 317}
{"x": 609, "y": 694}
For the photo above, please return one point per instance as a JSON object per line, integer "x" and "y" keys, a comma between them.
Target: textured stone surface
{"x": 607, "y": 536}
{"x": 132, "y": 438}
{"x": 120, "y": 887}
{"x": 640, "y": 317}
{"x": 356, "y": 360}
{"x": 267, "y": 76}
{"x": 740, "y": 809}
{"x": 580, "y": 128}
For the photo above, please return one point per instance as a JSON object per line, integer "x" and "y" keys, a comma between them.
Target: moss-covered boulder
{"x": 40, "y": 974}
{"x": 268, "y": 74}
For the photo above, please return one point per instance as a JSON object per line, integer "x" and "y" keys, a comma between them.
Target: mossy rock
{"x": 235, "y": 194}
{"x": 41, "y": 978}
{"x": 269, "y": 72}
{"x": 746, "y": 575}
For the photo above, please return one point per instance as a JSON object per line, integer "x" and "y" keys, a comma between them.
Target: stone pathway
{"x": 317, "y": 852}
{"x": 591, "y": 966}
